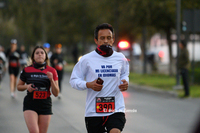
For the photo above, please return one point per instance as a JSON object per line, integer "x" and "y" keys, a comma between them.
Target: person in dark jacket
{"x": 183, "y": 65}
{"x": 58, "y": 63}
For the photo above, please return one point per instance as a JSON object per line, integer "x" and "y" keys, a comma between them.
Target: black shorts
{"x": 13, "y": 70}
{"x": 41, "y": 107}
{"x": 106, "y": 123}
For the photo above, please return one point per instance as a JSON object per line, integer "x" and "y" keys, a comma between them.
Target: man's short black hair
{"x": 102, "y": 26}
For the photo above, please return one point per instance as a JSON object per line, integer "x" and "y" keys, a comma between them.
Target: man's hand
{"x": 93, "y": 85}
{"x": 124, "y": 86}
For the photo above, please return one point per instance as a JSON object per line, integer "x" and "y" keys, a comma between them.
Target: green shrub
{"x": 196, "y": 73}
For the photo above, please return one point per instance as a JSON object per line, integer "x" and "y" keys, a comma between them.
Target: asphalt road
{"x": 145, "y": 112}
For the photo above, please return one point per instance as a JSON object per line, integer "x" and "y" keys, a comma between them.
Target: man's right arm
{"x": 78, "y": 75}
{"x": 94, "y": 85}
{"x": 77, "y": 79}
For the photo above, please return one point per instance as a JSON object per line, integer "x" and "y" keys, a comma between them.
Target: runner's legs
{"x": 44, "y": 121}
{"x": 12, "y": 80}
{"x": 31, "y": 119}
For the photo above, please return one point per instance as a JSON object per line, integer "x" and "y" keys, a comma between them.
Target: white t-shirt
{"x": 111, "y": 69}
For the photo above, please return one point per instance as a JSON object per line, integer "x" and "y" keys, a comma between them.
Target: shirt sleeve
{"x": 125, "y": 70}
{"x": 78, "y": 75}
{"x": 55, "y": 74}
{"x": 22, "y": 75}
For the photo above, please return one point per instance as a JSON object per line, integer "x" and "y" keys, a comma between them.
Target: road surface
{"x": 145, "y": 112}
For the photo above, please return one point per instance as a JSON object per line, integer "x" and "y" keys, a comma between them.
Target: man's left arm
{"x": 124, "y": 77}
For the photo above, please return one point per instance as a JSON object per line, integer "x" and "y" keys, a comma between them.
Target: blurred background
{"x": 149, "y": 27}
{"x": 146, "y": 31}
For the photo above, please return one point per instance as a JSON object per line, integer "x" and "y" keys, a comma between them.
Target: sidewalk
{"x": 153, "y": 90}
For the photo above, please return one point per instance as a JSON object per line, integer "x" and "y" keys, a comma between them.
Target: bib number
{"x": 105, "y": 104}
{"x": 40, "y": 95}
{"x": 13, "y": 63}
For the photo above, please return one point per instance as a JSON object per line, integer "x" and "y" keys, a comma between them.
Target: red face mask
{"x": 104, "y": 50}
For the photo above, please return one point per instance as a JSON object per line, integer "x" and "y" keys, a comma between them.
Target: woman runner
{"x": 37, "y": 80}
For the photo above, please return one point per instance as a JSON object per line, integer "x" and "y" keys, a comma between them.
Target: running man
{"x": 13, "y": 55}
{"x": 105, "y": 108}
{"x": 58, "y": 63}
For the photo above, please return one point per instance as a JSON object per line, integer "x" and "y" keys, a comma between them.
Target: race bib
{"x": 13, "y": 63}
{"x": 40, "y": 95}
{"x": 105, "y": 104}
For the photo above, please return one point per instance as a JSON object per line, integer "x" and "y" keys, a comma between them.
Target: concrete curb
{"x": 153, "y": 90}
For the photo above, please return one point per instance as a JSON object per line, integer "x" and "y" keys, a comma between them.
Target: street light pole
{"x": 178, "y": 8}
{"x": 193, "y": 47}
{"x": 144, "y": 35}
{"x": 43, "y": 22}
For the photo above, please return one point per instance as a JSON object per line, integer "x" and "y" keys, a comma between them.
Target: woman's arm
{"x": 54, "y": 84}
{"x": 22, "y": 87}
